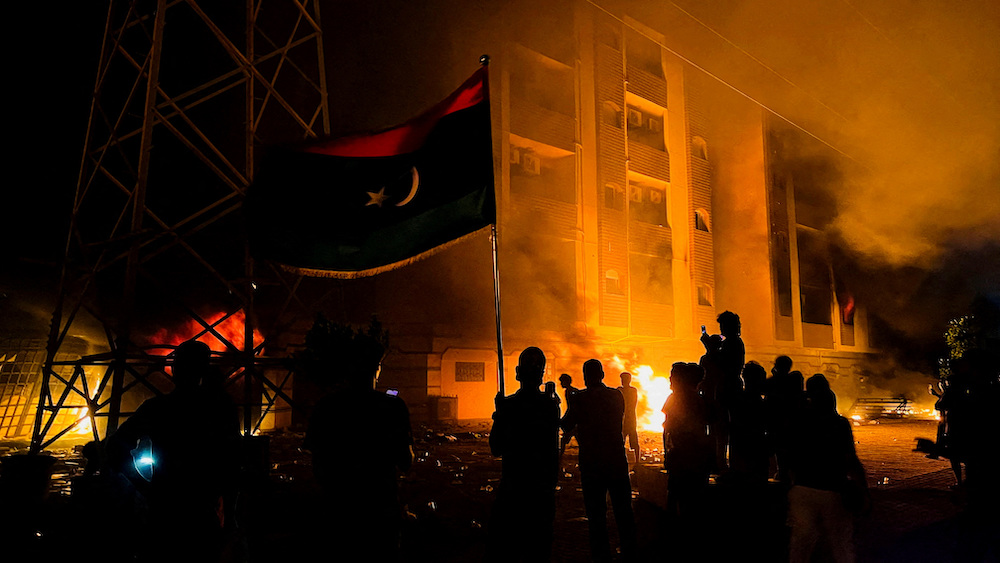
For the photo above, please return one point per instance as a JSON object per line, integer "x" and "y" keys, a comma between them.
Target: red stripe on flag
{"x": 411, "y": 135}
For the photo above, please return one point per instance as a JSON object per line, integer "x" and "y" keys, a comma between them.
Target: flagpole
{"x": 496, "y": 299}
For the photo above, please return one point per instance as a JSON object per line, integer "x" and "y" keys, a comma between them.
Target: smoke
{"x": 902, "y": 96}
{"x": 898, "y": 126}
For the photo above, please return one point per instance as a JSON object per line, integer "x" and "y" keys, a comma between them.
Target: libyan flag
{"x": 356, "y": 206}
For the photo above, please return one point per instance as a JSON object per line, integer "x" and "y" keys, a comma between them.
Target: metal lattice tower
{"x": 184, "y": 94}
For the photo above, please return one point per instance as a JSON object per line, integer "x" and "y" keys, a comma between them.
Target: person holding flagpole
{"x": 525, "y": 435}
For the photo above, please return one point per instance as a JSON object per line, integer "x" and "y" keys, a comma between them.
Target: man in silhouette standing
{"x": 360, "y": 440}
{"x": 596, "y": 414}
{"x": 526, "y": 435}
{"x": 179, "y": 459}
{"x": 566, "y": 382}
{"x": 732, "y": 355}
{"x": 630, "y": 424}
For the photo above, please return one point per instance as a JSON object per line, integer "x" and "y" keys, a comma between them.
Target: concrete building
{"x": 645, "y": 197}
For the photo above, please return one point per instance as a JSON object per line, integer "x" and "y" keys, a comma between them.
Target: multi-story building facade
{"x": 639, "y": 198}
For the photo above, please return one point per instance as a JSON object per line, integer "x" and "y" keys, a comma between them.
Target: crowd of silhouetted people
{"x": 732, "y": 437}
{"x": 725, "y": 421}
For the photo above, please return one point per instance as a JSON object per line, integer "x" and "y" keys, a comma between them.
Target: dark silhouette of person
{"x": 630, "y": 424}
{"x": 748, "y": 512}
{"x": 955, "y": 404}
{"x": 782, "y": 401}
{"x": 596, "y": 414}
{"x": 978, "y": 537}
{"x": 826, "y": 477}
{"x": 525, "y": 435}
{"x": 748, "y": 449}
{"x": 712, "y": 391}
{"x": 732, "y": 356}
{"x": 177, "y": 449}
{"x": 550, "y": 392}
{"x": 221, "y": 427}
{"x": 687, "y": 444}
{"x": 566, "y": 382}
{"x": 360, "y": 440}
{"x": 733, "y": 350}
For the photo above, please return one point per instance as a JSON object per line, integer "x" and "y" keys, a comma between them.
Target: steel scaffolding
{"x": 185, "y": 93}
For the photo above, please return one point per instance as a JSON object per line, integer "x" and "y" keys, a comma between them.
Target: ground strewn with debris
{"x": 449, "y": 492}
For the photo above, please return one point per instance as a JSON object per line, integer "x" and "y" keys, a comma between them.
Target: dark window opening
{"x": 612, "y": 283}
{"x": 704, "y": 295}
{"x": 816, "y": 294}
{"x": 701, "y": 220}
{"x": 611, "y": 115}
{"x": 644, "y": 53}
{"x": 699, "y": 148}
{"x": 614, "y": 197}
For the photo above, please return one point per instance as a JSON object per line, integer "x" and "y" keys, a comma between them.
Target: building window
{"x": 648, "y": 204}
{"x": 614, "y": 197}
{"x": 699, "y": 148}
{"x": 613, "y": 283}
{"x": 611, "y": 114}
{"x": 815, "y": 292}
{"x": 549, "y": 177}
{"x": 646, "y": 128}
{"x": 704, "y": 295}
{"x": 470, "y": 371}
{"x": 643, "y": 53}
{"x": 701, "y": 220}
{"x": 606, "y": 35}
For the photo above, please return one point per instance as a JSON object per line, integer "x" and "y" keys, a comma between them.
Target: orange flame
{"x": 653, "y": 391}
{"x": 232, "y": 329}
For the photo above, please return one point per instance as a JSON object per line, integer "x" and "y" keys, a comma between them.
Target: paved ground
{"x": 915, "y": 516}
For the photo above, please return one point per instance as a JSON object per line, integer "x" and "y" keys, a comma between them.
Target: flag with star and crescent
{"x": 356, "y": 206}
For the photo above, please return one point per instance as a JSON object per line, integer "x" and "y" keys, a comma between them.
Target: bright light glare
{"x": 145, "y": 460}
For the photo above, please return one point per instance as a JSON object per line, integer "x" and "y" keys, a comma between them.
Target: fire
{"x": 231, "y": 329}
{"x": 83, "y": 427}
{"x": 653, "y": 391}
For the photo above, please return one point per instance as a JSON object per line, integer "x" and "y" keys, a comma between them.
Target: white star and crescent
{"x": 379, "y": 197}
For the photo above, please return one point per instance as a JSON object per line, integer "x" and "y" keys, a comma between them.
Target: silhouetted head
{"x": 795, "y": 381}
{"x": 550, "y": 388}
{"x": 729, "y": 324}
{"x": 530, "y": 368}
{"x": 352, "y": 356}
{"x": 190, "y": 363}
{"x": 626, "y": 378}
{"x": 753, "y": 378}
{"x": 593, "y": 373}
{"x": 365, "y": 361}
{"x": 782, "y": 365}
{"x": 565, "y": 380}
{"x": 684, "y": 377}
{"x": 677, "y": 374}
{"x": 821, "y": 398}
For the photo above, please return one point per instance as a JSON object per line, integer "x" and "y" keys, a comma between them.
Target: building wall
{"x": 646, "y": 197}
